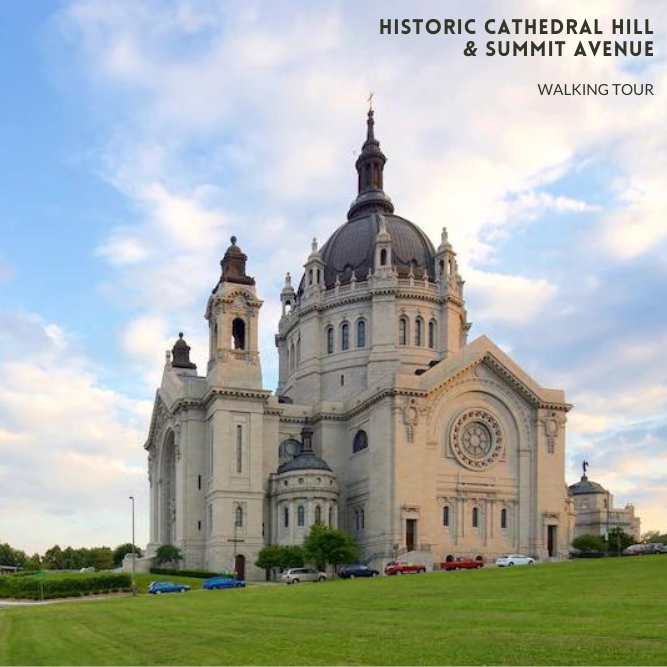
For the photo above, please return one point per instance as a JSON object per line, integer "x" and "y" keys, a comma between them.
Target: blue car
{"x": 222, "y": 582}
{"x": 158, "y": 587}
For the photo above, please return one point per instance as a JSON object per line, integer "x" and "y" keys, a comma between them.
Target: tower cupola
{"x": 370, "y": 170}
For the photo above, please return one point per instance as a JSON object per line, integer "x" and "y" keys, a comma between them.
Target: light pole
{"x": 134, "y": 554}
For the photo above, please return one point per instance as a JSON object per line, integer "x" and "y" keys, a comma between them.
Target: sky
{"x": 137, "y": 136}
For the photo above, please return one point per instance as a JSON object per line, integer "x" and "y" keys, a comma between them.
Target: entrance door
{"x": 239, "y": 566}
{"x": 410, "y": 533}
{"x": 552, "y": 542}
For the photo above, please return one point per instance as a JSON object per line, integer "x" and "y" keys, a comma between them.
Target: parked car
{"x": 401, "y": 567}
{"x": 297, "y": 574}
{"x": 217, "y": 583}
{"x": 514, "y": 559}
{"x": 461, "y": 563}
{"x": 354, "y": 570}
{"x": 158, "y": 587}
{"x": 644, "y": 549}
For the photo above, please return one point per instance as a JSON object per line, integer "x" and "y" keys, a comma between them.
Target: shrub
{"x": 195, "y": 574}
{"x": 589, "y": 542}
{"x": 36, "y": 587}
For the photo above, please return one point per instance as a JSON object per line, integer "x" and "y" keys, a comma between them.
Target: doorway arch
{"x": 239, "y": 566}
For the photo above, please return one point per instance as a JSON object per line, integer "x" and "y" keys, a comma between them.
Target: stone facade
{"x": 595, "y": 511}
{"x": 386, "y": 422}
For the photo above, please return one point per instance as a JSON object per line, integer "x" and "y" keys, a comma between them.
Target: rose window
{"x": 476, "y": 439}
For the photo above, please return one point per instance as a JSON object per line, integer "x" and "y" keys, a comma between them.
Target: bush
{"x": 195, "y": 574}
{"x": 36, "y": 587}
{"x": 589, "y": 542}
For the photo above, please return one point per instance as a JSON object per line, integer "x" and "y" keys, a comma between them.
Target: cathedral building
{"x": 387, "y": 422}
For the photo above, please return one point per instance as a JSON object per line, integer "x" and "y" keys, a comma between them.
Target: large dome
{"x": 351, "y": 248}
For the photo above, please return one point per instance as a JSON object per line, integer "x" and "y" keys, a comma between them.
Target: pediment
{"x": 159, "y": 418}
{"x": 482, "y": 356}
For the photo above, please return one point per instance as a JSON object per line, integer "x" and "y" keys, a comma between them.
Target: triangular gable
{"x": 158, "y": 418}
{"x": 484, "y": 351}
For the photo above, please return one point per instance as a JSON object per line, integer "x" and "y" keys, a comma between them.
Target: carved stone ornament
{"x": 177, "y": 441}
{"x": 411, "y": 417}
{"x": 476, "y": 439}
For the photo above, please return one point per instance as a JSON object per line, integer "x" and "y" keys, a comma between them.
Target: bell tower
{"x": 233, "y": 317}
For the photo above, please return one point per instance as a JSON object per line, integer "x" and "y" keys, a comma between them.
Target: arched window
{"x": 330, "y": 340}
{"x": 360, "y": 441}
{"x": 475, "y": 517}
{"x": 318, "y": 514}
{"x": 383, "y": 257}
{"x": 238, "y": 334}
{"x": 503, "y": 518}
{"x": 286, "y": 516}
{"x": 431, "y": 334}
{"x": 239, "y": 448}
{"x": 345, "y": 336}
{"x": 310, "y": 277}
{"x": 445, "y": 515}
{"x": 403, "y": 331}
{"x": 362, "y": 518}
{"x": 298, "y": 351}
{"x": 292, "y": 357}
{"x": 419, "y": 332}
{"x": 361, "y": 333}
{"x": 238, "y": 521}
{"x": 301, "y": 516}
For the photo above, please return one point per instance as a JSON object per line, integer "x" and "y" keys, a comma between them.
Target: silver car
{"x": 296, "y": 574}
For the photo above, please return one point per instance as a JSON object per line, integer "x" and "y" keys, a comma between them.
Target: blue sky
{"x": 138, "y": 135}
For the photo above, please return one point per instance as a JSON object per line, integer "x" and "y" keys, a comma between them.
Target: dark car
{"x": 158, "y": 587}
{"x": 217, "y": 583}
{"x": 356, "y": 570}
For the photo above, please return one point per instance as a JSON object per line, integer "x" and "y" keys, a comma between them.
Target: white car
{"x": 514, "y": 559}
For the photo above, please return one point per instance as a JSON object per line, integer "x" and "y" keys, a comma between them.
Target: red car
{"x": 461, "y": 563}
{"x": 400, "y": 567}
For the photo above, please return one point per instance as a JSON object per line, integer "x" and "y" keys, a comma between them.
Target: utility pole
{"x": 134, "y": 554}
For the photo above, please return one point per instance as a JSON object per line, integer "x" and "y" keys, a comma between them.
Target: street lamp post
{"x": 134, "y": 554}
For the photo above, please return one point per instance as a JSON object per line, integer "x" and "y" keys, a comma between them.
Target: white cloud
{"x": 511, "y": 299}
{"x": 69, "y": 446}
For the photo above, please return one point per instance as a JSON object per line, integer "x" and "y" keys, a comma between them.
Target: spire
{"x": 370, "y": 168}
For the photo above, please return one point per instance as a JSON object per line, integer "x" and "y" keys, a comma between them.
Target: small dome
{"x": 304, "y": 461}
{"x": 585, "y": 486}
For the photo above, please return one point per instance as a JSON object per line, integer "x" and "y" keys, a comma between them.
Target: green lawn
{"x": 588, "y": 612}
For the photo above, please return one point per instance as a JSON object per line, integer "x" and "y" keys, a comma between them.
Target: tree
{"x": 10, "y": 556}
{"x": 653, "y": 536}
{"x": 121, "y": 550}
{"x": 589, "y": 542}
{"x": 619, "y": 540}
{"x": 292, "y": 556}
{"x": 101, "y": 558}
{"x": 168, "y": 554}
{"x": 270, "y": 558}
{"x": 53, "y": 558}
{"x": 329, "y": 546}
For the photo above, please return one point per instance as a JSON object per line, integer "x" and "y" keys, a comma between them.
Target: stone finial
{"x": 288, "y": 280}
{"x": 181, "y": 354}
{"x": 313, "y": 246}
{"x": 167, "y": 357}
{"x": 233, "y": 265}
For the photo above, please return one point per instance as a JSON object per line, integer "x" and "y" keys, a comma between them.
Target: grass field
{"x": 581, "y": 613}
